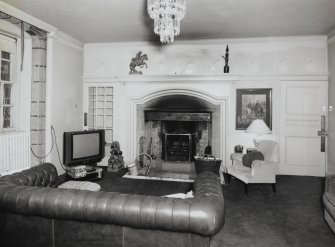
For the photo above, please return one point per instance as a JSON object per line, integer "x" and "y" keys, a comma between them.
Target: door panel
{"x": 302, "y": 106}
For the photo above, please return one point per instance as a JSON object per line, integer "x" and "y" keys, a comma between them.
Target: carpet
{"x": 291, "y": 217}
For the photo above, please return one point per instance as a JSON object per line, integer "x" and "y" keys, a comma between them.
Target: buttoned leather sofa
{"x": 329, "y": 201}
{"x": 34, "y": 212}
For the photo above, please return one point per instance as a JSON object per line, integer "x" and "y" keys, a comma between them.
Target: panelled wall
{"x": 195, "y": 68}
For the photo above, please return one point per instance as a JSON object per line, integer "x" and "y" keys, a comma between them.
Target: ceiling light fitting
{"x": 167, "y": 15}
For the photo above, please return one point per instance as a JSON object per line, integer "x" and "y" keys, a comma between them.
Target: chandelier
{"x": 167, "y": 15}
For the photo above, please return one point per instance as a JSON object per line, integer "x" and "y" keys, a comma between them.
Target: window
{"x": 100, "y": 110}
{"x": 7, "y": 82}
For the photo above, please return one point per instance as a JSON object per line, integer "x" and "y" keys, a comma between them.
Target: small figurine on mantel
{"x": 226, "y": 59}
{"x": 138, "y": 60}
{"x": 115, "y": 162}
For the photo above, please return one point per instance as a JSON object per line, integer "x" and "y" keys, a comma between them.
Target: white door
{"x": 302, "y": 105}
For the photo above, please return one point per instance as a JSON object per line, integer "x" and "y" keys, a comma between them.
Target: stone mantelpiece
{"x": 177, "y": 128}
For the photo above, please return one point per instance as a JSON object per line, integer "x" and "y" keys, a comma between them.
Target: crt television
{"x": 83, "y": 147}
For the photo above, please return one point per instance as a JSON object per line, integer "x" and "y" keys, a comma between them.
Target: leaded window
{"x": 100, "y": 110}
{"x": 7, "y": 59}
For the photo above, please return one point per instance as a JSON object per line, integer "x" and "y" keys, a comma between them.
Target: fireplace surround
{"x": 178, "y": 126}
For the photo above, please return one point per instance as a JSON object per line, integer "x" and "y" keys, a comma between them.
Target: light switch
{"x": 330, "y": 108}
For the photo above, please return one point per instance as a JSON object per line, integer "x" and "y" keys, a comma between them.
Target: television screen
{"x": 83, "y": 147}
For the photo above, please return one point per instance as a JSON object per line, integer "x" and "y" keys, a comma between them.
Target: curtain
{"x": 38, "y": 85}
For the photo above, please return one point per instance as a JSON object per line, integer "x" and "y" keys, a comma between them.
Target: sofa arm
{"x": 43, "y": 175}
{"x": 263, "y": 171}
{"x": 330, "y": 183}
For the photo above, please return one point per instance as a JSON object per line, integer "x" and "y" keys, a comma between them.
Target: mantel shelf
{"x": 201, "y": 78}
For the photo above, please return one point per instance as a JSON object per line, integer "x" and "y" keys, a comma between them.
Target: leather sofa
{"x": 329, "y": 201}
{"x": 34, "y": 212}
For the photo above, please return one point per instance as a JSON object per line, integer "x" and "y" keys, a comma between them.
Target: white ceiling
{"x": 127, "y": 20}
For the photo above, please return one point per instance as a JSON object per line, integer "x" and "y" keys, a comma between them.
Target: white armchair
{"x": 260, "y": 171}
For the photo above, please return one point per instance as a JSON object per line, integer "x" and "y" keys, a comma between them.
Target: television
{"x": 83, "y": 147}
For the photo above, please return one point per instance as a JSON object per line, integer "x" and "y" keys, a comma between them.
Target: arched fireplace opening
{"x": 177, "y": 127}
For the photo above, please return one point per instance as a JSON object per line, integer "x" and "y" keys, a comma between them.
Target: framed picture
{"x": 252, "y": 104}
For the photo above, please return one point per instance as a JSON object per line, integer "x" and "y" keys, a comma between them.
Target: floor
{"x": 293, "y": 216}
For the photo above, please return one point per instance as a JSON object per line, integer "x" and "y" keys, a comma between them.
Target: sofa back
{"x": 204, "y": 214}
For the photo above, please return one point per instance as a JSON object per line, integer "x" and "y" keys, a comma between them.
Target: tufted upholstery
{"x": 44, "y": 175}
{"x": 33, "y": 192}
{"x": 329, "y": 201}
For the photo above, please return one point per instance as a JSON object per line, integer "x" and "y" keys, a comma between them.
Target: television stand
{"x": 84, "y": 172}
{"x": 94, "y": 172}
{"x": 90, "y": 168}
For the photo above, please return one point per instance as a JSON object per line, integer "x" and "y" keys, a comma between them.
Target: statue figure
{"x": 138, "y": 60}
{"x": 226, "y": 59}
{"x": 115, "y": 162}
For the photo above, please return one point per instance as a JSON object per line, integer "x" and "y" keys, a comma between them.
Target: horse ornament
{"x": 138, "y": 61}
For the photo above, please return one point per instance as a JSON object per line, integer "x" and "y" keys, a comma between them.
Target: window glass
{"x": 5, "y": 55}
{"x": 7, "y": 94}
{"x": 7, "y": 117}
{"x": 5, "y": 70}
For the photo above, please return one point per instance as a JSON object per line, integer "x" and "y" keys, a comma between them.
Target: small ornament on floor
{"x": 115, "y": 162}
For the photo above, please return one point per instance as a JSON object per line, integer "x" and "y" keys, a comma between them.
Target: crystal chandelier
{"x": 167, "y": 15}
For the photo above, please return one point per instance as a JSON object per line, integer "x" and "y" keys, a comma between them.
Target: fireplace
{"x": 177, "y": 127}
{"x": 178, "y": 147}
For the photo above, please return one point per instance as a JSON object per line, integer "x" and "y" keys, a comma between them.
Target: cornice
{"x": 67, "y": 40}
{"x": 331, "y": 39}
{"x": 288, "y": 40}
{"x": 8, "y": 9}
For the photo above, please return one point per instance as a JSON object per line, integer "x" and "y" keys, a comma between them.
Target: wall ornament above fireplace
{"x": 138, "y": 61}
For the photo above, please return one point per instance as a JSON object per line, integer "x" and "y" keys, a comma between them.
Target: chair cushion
{"x": 80, "y": 185}
{"x": 248, "y": 158}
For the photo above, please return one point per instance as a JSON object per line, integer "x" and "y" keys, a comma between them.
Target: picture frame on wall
{"x": 253, "y": 103}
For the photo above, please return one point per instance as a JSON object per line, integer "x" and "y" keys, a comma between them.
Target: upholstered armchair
{"x": 261, "y": 171}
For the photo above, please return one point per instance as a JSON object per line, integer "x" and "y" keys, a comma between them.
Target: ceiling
{"x": 127, "y": 20}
